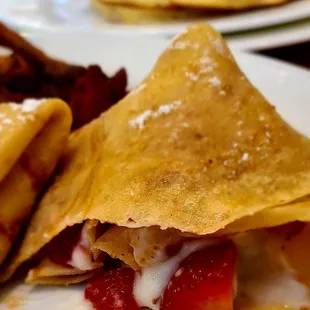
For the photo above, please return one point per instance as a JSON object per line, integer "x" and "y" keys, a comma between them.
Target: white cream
{"x": 81, "y": 256}
{"x": 150, "y": 284}
{"x": 30, "y": 105}
{"x": 264, "y": 277}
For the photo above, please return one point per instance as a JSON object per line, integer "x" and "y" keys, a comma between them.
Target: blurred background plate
{"x": 271, "y": 37}
{"x": 76, "y": 15}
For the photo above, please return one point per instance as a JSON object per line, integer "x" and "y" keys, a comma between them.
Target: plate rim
{"x": 256, "y": 19}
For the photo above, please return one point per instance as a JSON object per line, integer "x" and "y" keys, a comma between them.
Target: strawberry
{"x": 112, "y": 290}
{"x": 204, "y": 281}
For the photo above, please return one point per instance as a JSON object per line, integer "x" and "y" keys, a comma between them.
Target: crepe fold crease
{"x": 32, "y": 138}
{"x": 194, "y": 149}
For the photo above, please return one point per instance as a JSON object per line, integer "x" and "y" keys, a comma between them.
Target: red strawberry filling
{"x": 112, "y": 290}
{"x": 71, "y": 248}
{"x": 202, "y": 281}
{"x": 60, "y": 249}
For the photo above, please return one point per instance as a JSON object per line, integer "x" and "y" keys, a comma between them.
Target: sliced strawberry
{"x": 204, "y": 281}
{"x": 112, "y": 290}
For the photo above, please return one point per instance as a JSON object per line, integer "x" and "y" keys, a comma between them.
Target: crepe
{"x": 32, "y": 137}
{"x": 222, "y": 4}
{"x": 141, "y": 15}
{"x": 194, "y": 150}
{"x": 140, "y": 11}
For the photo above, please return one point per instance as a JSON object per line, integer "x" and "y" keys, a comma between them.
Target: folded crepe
{"x": 194, "y": 168}
{"x": 32, "y": 138}
{"x": 220, "y": 4}
{"x": 142, "y": 11}
{"x": 132, "y": 14}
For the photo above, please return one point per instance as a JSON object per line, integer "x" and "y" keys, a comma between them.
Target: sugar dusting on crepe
{"x": 26, "y": 109}
{"x": 30, "y": 105}
{"x": 139, "y": 121}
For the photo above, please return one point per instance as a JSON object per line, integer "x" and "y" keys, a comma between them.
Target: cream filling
{"x": 81, "y": 255}
{"x": 264, "y": 279}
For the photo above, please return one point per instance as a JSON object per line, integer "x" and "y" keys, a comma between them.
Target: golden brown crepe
{"x": 195, "y": 149}
{"x": 223, "y": 4}
{"x": 141, "y": 15}
{"x": 140, "y": 11}
{"x": 32, "y": 138}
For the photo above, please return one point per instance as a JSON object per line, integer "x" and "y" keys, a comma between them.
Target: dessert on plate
{"x": 190, "y": 193}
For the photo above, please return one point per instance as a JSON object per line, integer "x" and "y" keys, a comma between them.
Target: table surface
{"x": 296, "y": 54}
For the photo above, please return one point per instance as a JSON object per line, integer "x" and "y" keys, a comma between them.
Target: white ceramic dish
{"x": 273, "y": 37}
{"x": 287, "y": 87}
{"x": 70, "y": 15}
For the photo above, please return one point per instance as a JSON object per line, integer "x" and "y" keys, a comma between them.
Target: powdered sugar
{"x": 140, "y": 120}
{"x": 14, "y": 106}
{"x": 207, "y": 69}
{"x": 21, "y": 118}
{"x": 245, "y": 157}
{"x": 165, "y": 109}
{"x": 218, "y": 44}
{"x": 25, "y": 111}
{"x": 181, "y": 45}
{"x": 215, "y": 81}
{"x": 30, "y": 105}
{"x": 194, "y": 77}
{"x": 205, "y": 60}
{"x": 7, "y": 121}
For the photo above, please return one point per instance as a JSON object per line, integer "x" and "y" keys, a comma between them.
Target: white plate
{"x": 70, "y": 15}
{"x": 287, "y": 87}
{"x": 273, "y": 37}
